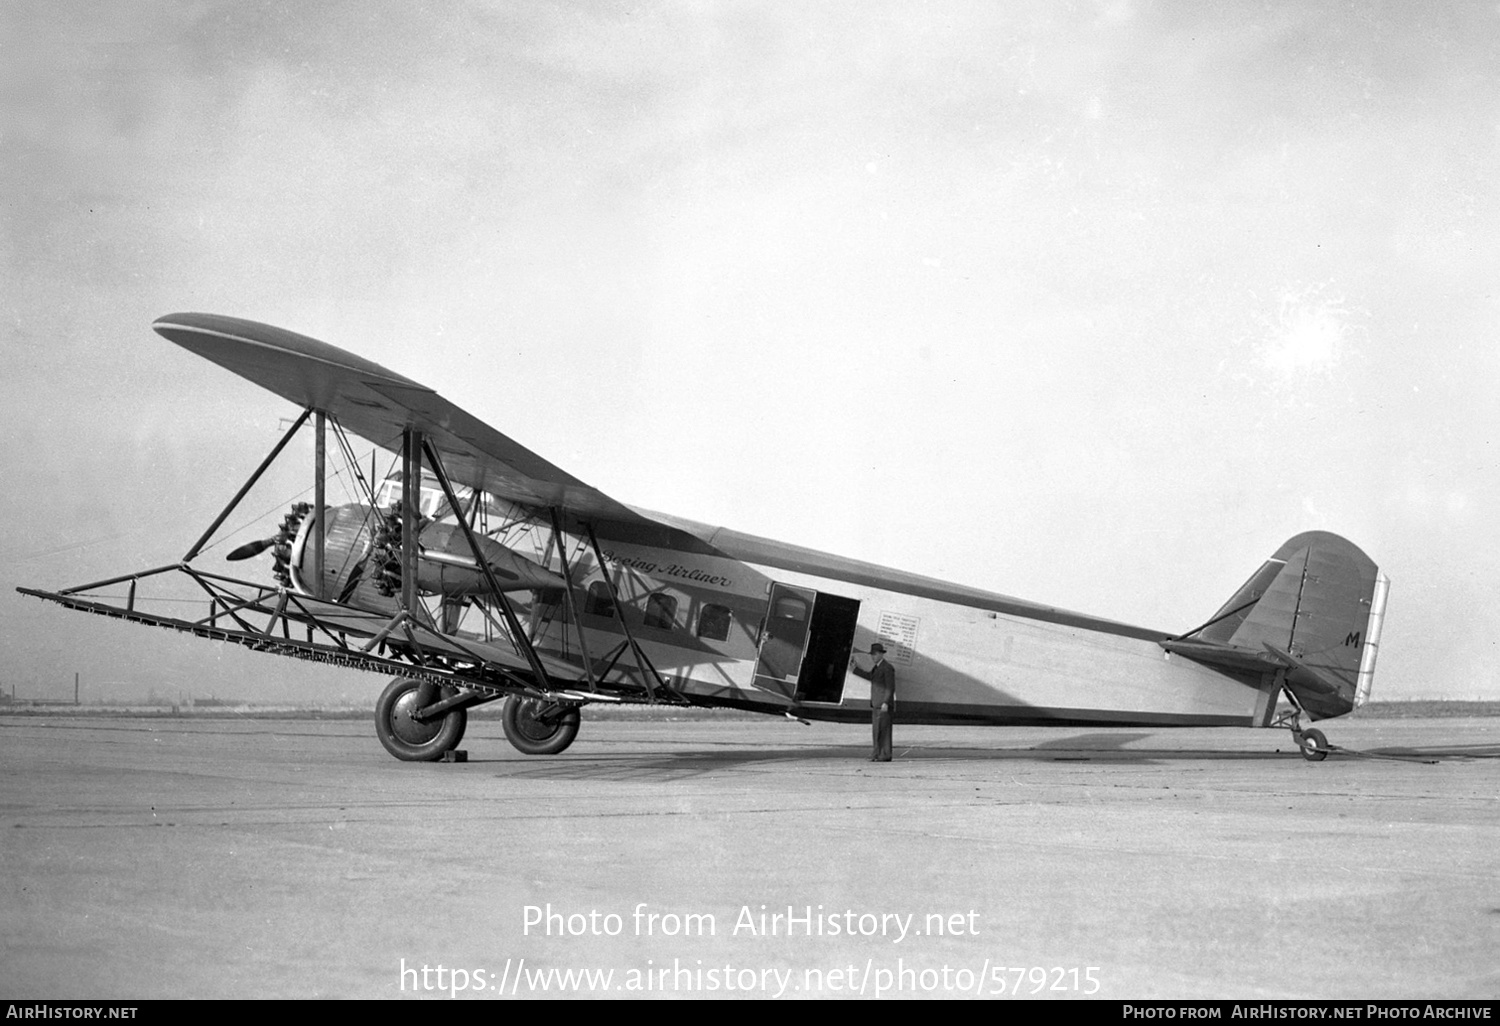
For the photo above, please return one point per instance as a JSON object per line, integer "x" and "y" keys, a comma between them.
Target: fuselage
{"x": 727, "y": 618}
{"x": 731, "y": 618}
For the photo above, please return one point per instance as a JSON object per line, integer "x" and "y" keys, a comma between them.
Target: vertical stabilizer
{"x": 1312, "y": 614}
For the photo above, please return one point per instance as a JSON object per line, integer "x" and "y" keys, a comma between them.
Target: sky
{"x": 1093, "y": 304}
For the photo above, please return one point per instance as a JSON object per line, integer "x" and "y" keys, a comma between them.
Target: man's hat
{"x": 877, "y": 647}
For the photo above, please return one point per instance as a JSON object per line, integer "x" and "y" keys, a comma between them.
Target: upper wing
{"x": 379, "y": 404}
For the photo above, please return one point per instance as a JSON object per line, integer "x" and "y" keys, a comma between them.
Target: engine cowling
{"x": 362, "y": 559}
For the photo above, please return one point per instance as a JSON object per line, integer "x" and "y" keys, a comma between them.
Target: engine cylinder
{"x": 362, "y": 560}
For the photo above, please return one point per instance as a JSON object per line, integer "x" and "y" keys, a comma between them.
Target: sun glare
{"x": 1308, "y": 335}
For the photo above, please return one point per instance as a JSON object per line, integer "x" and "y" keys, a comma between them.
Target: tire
{"x": 537, "y": 727}
{"x": 403, "y": 736}
{"x": 1313, "y": 744}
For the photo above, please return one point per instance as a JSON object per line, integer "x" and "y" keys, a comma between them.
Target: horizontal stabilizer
{"x": 1303, "y": 675}
{"x": 1223, "y": 656}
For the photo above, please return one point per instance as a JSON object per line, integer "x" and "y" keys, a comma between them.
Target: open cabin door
{"x": 804, "y": 649}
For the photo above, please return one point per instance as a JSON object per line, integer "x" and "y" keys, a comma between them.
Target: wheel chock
{"x": 455, "y": 755}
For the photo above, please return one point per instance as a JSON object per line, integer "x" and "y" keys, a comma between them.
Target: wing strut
{"x": 411, "y": 518}
{"x": 320, "y": 500}
{"x": 347, "y": 449}
{"x": 648, "y": 670}
{"x": 562, "y": 553}
{"x": 245, "y": 488}
{"x": 523, "y": 644}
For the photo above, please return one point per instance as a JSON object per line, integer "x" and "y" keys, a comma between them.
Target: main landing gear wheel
{"x": 1313, "y": 744}
{"x": 405, "y": 737}
{"x": 538, "y": 727}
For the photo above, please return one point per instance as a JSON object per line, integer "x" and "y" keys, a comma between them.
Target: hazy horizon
{"x": 1093, "y": 305}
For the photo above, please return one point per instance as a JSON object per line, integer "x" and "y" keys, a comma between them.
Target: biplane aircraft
{"x": 481, "y": 572}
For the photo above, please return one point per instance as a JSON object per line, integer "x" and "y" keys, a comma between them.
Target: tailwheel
{"x": 1310, "y": 742}
{"x": 410, "y": 739}
{"x": 1313, "y": 744}
{"x": 536, "y": 726}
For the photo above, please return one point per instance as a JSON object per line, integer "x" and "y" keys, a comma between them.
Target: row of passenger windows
{"x": 661, "y": 612}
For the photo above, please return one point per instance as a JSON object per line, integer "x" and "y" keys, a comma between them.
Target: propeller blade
{"x": 249, "y": 549}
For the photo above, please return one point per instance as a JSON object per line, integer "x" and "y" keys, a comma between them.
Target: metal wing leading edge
{"x": 378, "y": 404}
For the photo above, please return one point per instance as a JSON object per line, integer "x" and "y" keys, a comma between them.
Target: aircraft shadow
{"x": 1102, "y": 747}
{"x": 1436, "y": 752}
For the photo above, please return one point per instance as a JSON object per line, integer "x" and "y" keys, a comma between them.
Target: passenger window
{"x": 713, "y": 623}
{"x": 661, "y": 611}
{"x": 599, "y": 601}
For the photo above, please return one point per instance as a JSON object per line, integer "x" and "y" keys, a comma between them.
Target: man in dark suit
{"x": 882, "y": 678}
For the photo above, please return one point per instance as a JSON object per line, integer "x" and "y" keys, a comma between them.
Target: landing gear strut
{"x": 408, "y": 738}
{"x": 536, "y": 726}
{"x": 1310, "y": 742}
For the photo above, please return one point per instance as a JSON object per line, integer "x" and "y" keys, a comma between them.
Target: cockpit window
{"x": 433, "y": 504}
